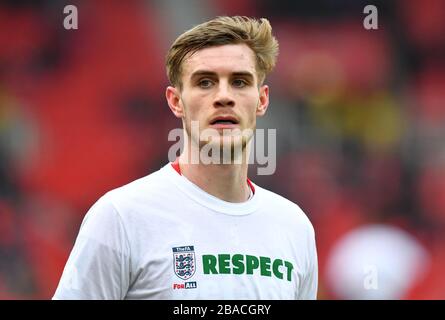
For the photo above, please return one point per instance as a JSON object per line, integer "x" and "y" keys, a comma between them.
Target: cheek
{"x": 193, "y": 102}
{"x": 193, "y": 109}
{"x": 249, "y": 117}
{"x": 251, "y": 108}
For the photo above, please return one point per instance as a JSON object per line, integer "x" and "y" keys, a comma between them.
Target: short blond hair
{"x": 256, "y": 34}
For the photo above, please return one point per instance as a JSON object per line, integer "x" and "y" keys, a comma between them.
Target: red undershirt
{"x": 175, "y": 166}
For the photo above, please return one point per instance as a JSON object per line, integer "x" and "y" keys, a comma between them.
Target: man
{"x": 201, "y": 230}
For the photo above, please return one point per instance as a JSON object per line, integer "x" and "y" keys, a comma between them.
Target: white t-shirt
{"x": 162, "y": 237}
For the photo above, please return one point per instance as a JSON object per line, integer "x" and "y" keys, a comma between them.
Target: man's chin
{"x": 228, "y": 142}
{"x": 223, "y": 150}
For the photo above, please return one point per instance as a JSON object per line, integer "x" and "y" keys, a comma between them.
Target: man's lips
{"x": 224, "y": 126}
{"x": 224, "y": 122}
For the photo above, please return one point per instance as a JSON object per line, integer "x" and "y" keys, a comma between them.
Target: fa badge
{"x": 184, "y": 262}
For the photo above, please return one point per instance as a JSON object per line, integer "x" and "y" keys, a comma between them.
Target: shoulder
{"x": 284, "y": 209}
{"x": 149, "y": 182}
{"x": 132, "y": 197}
{"x": 143, "y": 190}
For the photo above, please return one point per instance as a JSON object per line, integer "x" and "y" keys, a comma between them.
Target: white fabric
{"x": 124, "y": 249}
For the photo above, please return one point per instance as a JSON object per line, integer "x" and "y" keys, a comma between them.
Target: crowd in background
{"x": 359, "y": 114}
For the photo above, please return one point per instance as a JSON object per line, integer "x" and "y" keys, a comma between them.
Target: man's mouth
{"x": 222, "y": 122}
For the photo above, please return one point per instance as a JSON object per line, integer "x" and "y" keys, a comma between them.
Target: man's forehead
{"x": 226, "y": 58}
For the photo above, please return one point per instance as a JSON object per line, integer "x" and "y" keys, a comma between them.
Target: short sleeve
{"x": 98, "y": 267}
{"x": 309, "y": 285}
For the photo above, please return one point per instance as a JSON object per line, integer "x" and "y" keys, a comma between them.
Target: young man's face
{"x": 220, "y": 90}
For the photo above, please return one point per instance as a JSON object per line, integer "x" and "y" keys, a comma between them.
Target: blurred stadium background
{"x": 360, "y": 119}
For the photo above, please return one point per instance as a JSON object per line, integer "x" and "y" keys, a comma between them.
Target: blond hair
{"x": 257, "y": 34}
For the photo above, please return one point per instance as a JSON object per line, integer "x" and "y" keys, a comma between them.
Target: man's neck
{"x": 227, "y": 182}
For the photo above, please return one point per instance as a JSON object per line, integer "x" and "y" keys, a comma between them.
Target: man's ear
{"x": 174, "y": 101}
{"x": 263, "y": 102}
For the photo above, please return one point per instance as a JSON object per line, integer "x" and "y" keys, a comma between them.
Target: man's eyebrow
{"x": 243, "y": 74}
{"x": 202, "y": 73}
{"x": 199, "y": 73}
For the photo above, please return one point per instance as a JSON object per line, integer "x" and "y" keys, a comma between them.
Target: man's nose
{"x": 224, "y": 96}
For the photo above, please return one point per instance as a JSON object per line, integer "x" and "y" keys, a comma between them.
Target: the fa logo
{"x": 184, "y": 262}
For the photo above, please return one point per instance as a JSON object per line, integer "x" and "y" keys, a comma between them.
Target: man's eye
{"x": 239, "y": 83}
{"x": 205, "y": 83}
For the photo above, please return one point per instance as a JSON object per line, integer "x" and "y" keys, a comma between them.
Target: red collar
{"x": 175, "y": 166}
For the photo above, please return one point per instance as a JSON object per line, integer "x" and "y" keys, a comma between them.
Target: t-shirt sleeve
{"x": 99, "y": 264}
{"x": 309, "y": 285}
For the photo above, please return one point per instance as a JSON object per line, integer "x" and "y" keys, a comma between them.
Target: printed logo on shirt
{"x": 184, "y": 262}
{"x": 185, "y": 285}
{"x": 247, "y": 264}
